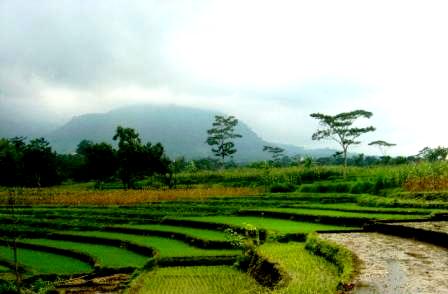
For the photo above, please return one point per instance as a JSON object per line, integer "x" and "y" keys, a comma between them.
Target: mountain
{"x": 181, "y": 130}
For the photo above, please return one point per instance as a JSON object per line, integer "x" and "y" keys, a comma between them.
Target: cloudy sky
{"x": 270, "y": 63}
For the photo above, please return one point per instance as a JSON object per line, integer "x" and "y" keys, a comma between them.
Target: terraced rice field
{"x": 187, "y": 239}
{"x": 39, "y": 262}
{"x": 275, "y": 226}
{"x": 196, "y": 279}
{"x": 107, "y": 256}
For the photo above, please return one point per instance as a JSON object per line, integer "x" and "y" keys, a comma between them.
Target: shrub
{"x": 282, "y": 187}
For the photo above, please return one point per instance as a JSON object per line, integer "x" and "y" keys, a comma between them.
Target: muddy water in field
{"x": 392, "y": 265}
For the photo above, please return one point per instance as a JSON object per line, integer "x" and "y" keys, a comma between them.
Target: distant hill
{"x": 181, "y": 130}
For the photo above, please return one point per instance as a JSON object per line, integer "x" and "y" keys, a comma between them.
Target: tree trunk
{"x": 345, "y": 163}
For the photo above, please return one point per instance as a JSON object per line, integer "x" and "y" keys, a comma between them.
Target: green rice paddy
{"x": 275, "y": 226}
{"x": 166, "y": 247}
{"x": 107, "y": 256}
{"x": 196, "y": 279}
{"x": 45, "y": 263}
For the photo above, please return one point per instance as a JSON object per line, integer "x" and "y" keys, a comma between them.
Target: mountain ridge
{"x": 181, "y": 130}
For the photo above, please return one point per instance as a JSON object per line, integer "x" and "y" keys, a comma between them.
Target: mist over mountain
{"x": 181, "y": 130}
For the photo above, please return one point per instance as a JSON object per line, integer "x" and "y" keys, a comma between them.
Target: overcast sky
{"x": 270, "y": 63}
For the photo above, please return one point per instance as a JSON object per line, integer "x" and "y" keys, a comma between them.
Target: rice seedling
{"x": 308, "y": 274}
{"x": 272, "y": 225}
{"x": 195, "y": 279}
{"x": 107, "y": 256}
{"x": 194, "y": 232}
{"x": 46, "y": 263}
{"x": 166, "y": 247}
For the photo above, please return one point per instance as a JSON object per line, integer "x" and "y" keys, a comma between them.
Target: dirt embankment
{"x": 439, "y": 226}
{"x": 395, "y": 265}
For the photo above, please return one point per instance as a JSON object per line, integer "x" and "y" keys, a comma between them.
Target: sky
{"x": 269, "y": 63}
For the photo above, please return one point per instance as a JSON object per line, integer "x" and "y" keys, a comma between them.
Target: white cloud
{"x": 271, "y": 63}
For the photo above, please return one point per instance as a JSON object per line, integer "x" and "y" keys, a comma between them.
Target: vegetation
{"x": 196, "y": 279}
{"x": 339, "y": 128}
{"x": 307, "y": 274}
{"x": 107, "y": 256}
{"x": 221, "y": 135}
{"x": 40, "y": 262}
{"x": 272, "y": 225}
{"x": 185, "y": 222}
{"x": 336, "y": 254}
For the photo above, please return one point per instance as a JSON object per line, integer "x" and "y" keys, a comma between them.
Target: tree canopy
{"x": 340, "y": 129}
{"x": 221, "y": 135}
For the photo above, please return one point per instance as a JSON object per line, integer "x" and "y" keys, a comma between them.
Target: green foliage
{"x": 136, "y": 160}
{"x": 221, "y": 135}
{"x": 334, "y": 253}
{"x": 282, "y": 188}
{"x": 31, "y": 164}
{"x": 434, "y": 154}
{"x": 100, "y": 161}
{"x": 8, "y": 287}
{"x": 339, "y": 128}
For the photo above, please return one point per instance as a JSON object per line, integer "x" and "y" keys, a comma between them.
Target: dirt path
{"x": 393, "y": 265}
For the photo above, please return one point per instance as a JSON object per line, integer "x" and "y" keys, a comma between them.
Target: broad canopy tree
{"x": 136, "y": 160}
{"x": 340, "y": 129}
{"x": 100, "y": 161}
{"x": 222, "y": 135}
{"x": 276, "y": 152}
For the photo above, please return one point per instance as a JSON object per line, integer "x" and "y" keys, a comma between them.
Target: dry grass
{"x": 428, "y": 183}
{"x": 60, "y": 196}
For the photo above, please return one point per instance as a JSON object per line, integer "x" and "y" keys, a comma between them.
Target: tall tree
{"x": 40, "y": 165}
{"x": 382, "y": 146}
{"x": 129, "y": 155}
{"x": 99, "y": 161}
{"x": 276, "y": 152}
{"x": 136, "y": 160}
{"x": 434, "y": 154}
{"x": 221, "y": 135}
{"x": 340, "y": 128}
{"x": 11, "y": 161}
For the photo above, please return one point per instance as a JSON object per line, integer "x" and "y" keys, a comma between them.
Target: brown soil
{"x": 437, "y": 226}
{"x": 105, "y": 284}
{"x": 395, "y": 265}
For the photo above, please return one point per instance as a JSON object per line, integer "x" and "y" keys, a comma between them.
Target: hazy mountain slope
{"x": 181, "y": 130}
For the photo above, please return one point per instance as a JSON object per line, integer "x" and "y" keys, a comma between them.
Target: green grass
{"x": 307, "y": 273}
{"x": 166, "y": 247}
{"x": 336, "y": 213}
{"x": 353, "y": 207}
{"x": 107, "y": 256}
{"x": 4, "y": 269}
{"x": 272, "y": 225}
{"x": 196, "y": 279}
{"x": 193, "y": 232}
{"x": 46, "y": 263}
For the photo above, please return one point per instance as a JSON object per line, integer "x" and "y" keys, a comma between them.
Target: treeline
{"x": 35, "y": 164}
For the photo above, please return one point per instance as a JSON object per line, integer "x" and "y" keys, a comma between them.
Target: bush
{"x": 282, "y": 187}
